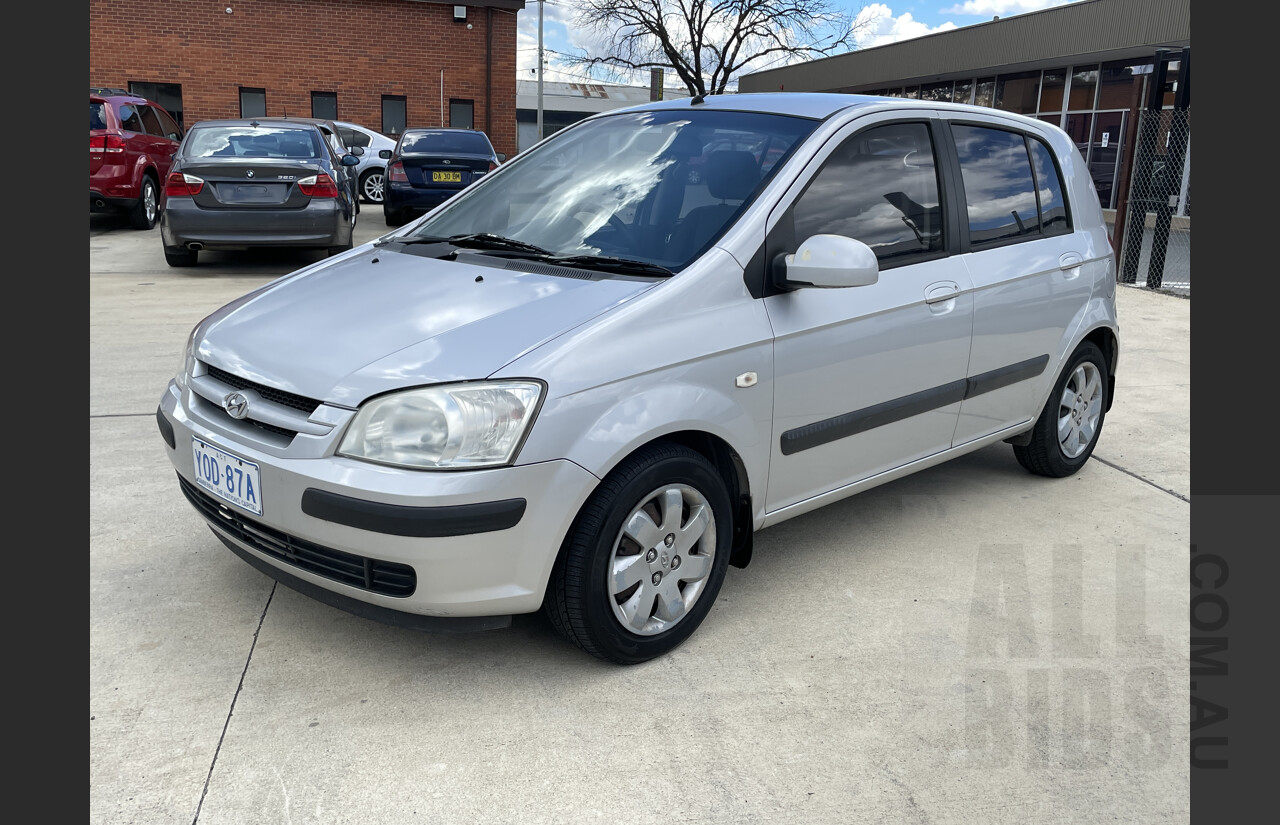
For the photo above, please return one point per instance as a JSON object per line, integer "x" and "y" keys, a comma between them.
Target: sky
{"x": 878, "y": 24}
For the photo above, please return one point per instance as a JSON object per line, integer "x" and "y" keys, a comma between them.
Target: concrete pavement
{"x": 968, "y": 645}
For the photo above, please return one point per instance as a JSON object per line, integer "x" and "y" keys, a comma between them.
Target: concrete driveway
{"x": 972, "y": 644}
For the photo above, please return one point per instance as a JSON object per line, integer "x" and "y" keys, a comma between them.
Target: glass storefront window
{"x": 1077, "y": 127}
{"x": 985, "y": 92}
{"x": 1115, "y": 85}
{"x": 1084, "y": 83}
{"x": 1051, "y": 89}
{"x": 1018, "y": 93}
{"x": 1104, "y": 154}
{"x": 963, "y": 92}
{"x": 936, "y": 92}
{"x": 912, "y": 92}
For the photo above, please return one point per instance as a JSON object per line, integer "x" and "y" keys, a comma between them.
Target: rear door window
{"x": 999, "y": 187}
{"x": 130, "y": 121}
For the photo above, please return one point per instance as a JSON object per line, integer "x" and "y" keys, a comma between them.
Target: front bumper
{"x": 390, "y": 544}
{"x": 321, "y": 223}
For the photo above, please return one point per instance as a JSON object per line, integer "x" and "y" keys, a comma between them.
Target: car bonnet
{"x": 382, "y": 320}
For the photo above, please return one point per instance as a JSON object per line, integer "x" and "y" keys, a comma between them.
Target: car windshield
{"x": 658, "y": 186}
{"x": 252, "y": 142}
{"x": 445, "y": 142}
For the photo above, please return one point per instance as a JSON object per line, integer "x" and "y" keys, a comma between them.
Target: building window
{"x": 1084, "y": 84}
{"x": 168, "y": 95}
{"x": 1116, "y": 85}
{"x": 462, "y": 114}
{"x": 963, "y": 92}
{"x": 984, "y": 92}
{"x": 393, "y": 115}
{"x": 253, "y": 102}
{"x": 938, "y": 92}
{"x": 1018, "y": 93}
{"x": 324, "y": 105}
{"x": 1052, "y": 88}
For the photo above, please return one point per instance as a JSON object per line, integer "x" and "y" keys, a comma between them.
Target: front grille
{"x": 383, "y": 577}
{"x": 288, "y": 399}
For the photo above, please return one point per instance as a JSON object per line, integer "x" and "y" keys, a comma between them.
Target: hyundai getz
{"x": 582, "y": 384}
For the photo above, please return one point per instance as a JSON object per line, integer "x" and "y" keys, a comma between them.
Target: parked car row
{"x": 269, "y": 181}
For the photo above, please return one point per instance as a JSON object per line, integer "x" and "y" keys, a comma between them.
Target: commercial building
{"x": 1084, "y": 66}
{"x": 385, "y": 64}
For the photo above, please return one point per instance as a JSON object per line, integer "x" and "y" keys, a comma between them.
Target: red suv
{"x": 131, "y": 146}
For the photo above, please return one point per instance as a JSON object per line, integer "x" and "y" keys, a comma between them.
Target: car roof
{"x": 818, "y": 105}
{"x": 118, "y": 95}
{"x": 429, "y": 129}
{"x": 258, "y": 121}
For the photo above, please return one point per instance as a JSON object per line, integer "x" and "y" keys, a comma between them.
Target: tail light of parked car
{"x": 105, "y": 143}
{"x": 318, "y": 186}
{"x": 396, "y": 174}
{"x": 182, "y": 185}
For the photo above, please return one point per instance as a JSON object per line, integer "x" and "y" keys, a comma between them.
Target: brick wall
{"x": 358, "y": 49}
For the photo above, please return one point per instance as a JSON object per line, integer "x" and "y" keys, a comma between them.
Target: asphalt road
{"x": 968, "y": 645}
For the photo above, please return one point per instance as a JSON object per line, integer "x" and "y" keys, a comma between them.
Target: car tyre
{"x": 645, "y": 558}
{"x": 372, "y": 185}
{"x": 394, "y": 217}
{"x": 179, "y": 256}
{"x": 144, "y": 213}
{"x": 1068, "y": 428}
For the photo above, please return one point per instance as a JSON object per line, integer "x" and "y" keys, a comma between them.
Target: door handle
{"x": 937, "y": 293}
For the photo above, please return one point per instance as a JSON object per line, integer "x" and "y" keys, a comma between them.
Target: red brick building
{"x": 384, "y": 64}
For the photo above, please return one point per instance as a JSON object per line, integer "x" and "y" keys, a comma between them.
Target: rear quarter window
{"x": 97, "y": 115}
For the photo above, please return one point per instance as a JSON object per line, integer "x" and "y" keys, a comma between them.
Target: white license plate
{"x": 228, "y": 477}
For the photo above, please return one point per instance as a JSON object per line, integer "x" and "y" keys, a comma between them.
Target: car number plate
{"x": 228, "y": 477}
{"x": 446, "y": 177}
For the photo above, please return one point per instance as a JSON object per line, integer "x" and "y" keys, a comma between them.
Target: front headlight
{"x": 451, "y": 426}
{"x": 188, "y": 364}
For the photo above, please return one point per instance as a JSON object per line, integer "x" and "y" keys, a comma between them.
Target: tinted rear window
{"x": 432, "y": 143}
{"x": 252, "y": 142}
{"x": 97, "y": 115}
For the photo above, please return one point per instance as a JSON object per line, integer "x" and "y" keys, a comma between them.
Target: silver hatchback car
{"x": 583, "y": 384}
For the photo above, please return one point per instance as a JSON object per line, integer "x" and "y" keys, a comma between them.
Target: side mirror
{"x": 827, "y": 262}
{"x": 358, "y": 151}
{"x": 385, "y": 154}
{"x": 350, "y": 160}
{"x": 502, "y": 158}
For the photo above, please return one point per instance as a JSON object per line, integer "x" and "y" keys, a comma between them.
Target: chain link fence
{"x": 1155, "y": 251}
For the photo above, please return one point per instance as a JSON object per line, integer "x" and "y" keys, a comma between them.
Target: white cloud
{"x": 875, "y": 25}
{"x": 1002, "y": 8}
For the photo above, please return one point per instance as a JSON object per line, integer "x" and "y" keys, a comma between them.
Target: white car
{"x": 584, "y": 382}
{"x": 371, "y": 173}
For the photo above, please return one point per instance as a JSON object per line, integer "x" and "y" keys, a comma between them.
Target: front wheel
{"x": 1068, "y": 428}
{"x": 645, "y": 558}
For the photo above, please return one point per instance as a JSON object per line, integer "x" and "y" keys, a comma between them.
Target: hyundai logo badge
{"x": 236, "y": 405}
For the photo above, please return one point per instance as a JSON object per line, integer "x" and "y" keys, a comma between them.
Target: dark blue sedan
{"x": 429, "y": 166}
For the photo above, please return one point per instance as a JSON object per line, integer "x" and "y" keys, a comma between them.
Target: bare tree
{"x": 709, "y": 42}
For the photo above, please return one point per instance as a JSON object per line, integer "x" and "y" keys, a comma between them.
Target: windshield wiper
{"x": 488, "y": 240}
{"x": 605, "y": 263}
